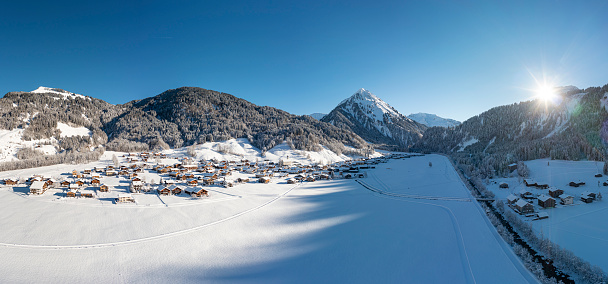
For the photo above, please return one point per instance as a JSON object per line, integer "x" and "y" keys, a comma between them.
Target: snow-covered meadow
{"x": 579, "y": 227}
{"x": 326, "y": 231}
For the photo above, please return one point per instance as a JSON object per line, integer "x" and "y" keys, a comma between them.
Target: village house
{"x": 38, "y": 187}
{"x": 87, "y": 193}
{"x": 10, "y": 181}
{"x": 566, "y": 199}
{"x": 136, "y": 186}
{"x": 71, "y": 193}
{"x": 104, "y": 188}
{"x": 524, "y": 207}
{"x": 264, "y": 180}
{"x": 511, "y": 199}
{"x": 587, "y": 197}
{"x": 125, "y": 197}
{"x": 555, "y": 193}
{"x": 546, "y": 201}
{"x": 65, "y": 183}
{"x": 95, "y": 182}
{"x": 196, "y": 191}
{"x": 524, "y": 193}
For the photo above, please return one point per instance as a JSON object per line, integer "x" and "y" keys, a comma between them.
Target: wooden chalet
{"x": 555, "y": 193}
{"x": 87, "y": 193}
{"x": 291, "y": 181}
{"x": 310, "y": 178}
{"x": 163, "y": 190}
{"x": 65, "y": 183}
{"x": 175, "y": 189}
{"x": 192, "y": 182}
{"x": 111, "y": 172}
{"x": 38, "y": 187}
{"x": 264, "y": 180}
{"x": 196, "y": 191}
{"x": 576, "y": 184}
{"x": 73, "y": 186}
{"x": 546, "y": 201}
{"x": 71, "y": 193}
{"x": 104, "y": 188}
{"x": 79, "y": 182}
{"x": 523, "y": 207}
{"x": 125, "y": 197}
{"x": 503, "y": 185}
{"x": 95, "y": 182}
{"x": 10, "y": 181}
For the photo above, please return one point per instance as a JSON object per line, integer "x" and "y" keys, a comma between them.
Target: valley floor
{"x": 326, "y": 231}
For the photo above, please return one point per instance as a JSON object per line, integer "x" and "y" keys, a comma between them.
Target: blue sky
{"x": 453, "y": 58}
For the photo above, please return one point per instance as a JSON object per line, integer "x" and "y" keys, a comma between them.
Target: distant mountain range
{"x": 432, "y": 120}
{"x": 175, "y": 118}
{"x": 375, "y": 121}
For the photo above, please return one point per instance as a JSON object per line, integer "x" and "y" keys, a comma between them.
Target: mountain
{"x": 317, "y": 116}
{"x": 573, "y": 126}
{"x": 432, "y": 120}
{"x": 75, "y": 128}
{"x": 188, "y": 115}
{"x": 375, "y": 121}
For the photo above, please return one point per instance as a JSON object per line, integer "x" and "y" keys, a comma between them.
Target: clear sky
{"x": 455, "y": 59}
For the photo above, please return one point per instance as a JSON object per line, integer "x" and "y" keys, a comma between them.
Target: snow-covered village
{"x": 304, "y": 142}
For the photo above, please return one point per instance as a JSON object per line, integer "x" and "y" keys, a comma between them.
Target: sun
{"x": 546, "y": 93}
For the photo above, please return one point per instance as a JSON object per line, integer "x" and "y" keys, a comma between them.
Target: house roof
{"x": 37, "y": 185}
{"x": 544, "y": 198}
{"x": 512, "y": 197}
{"x": 522, "y": 203}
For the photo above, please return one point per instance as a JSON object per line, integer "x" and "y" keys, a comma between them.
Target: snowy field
{"x": 581, "y": 227}
{"x": 327, "y": 231}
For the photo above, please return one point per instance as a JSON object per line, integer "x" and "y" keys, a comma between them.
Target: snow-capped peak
{"x": 64, "y": 93}
{"x": 374, "y": 106}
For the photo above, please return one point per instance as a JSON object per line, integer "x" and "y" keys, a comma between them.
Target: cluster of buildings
{"x": 523, "y": 202}
{"x": 189, "y": 176}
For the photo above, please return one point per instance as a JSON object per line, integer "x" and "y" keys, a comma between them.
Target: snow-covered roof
{"x": 522, "y": 203}
{"x": 544, "y": 198}
{"x": 512, "y": 197}
{"x": 37, "y": 185}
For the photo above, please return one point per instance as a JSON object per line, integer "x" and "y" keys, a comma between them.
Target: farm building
{"x": 576, "y": 184}
{"x": 104, "y": 188}
{"x": 291, "y": 181}
{"x": 95, "y": 182}
{"x": 566, "y": 199}
{"x": 524, "y": 207}
{"x": 175, "y": 189}
{"x": 125, "y": 197}
{"x": 555, "y": 193}
{"x": 38, "y": 187}
{"x": 164, "y": 190}
{"x": 65, "y": 183}
{"x": 546, "y": 201}
{"x": 512, "y": 167}
{"x": 504, "y": 185}
{"x": 264, "y": 180}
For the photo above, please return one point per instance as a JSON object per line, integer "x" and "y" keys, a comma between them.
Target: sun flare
{"x": 546, "y": 93}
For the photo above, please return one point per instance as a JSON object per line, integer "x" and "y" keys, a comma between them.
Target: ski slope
{"x": 328, "y": 231}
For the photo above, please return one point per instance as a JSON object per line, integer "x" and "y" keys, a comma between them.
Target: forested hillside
{"x": 570, "y": 128}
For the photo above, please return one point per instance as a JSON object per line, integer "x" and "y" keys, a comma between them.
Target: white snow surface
{"x": 327, "y": 231}
{"x": 65, "y": 94}
{"x": 576, "y": 227}
{"x": 69, "y": 131}
{"x": 467, "y": 143}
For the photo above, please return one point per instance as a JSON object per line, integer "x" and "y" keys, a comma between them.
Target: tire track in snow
{"x": 468, "y": 271}
{"x": 145, "y": 239}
